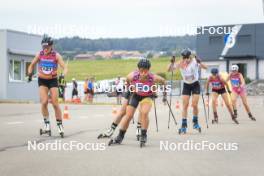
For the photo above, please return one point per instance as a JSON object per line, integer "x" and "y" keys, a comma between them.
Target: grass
{"x": 108, "y": 69}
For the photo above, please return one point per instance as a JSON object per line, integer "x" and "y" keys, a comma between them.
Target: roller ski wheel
{"x": 197, "y": 127}
{"x": 106, "y": 134}
{"x": 235, "y": 120}
{"x": 62, "y": 135}
{"x": 138, "y": 137}
{"x": 41, "y": 132}
{"x": 252, "y": 118}
{"x": 143, "y": 140}
{"x": 182, "y": 130}
{"x": 215, "y": 121}
{"x": 117, "y": 140}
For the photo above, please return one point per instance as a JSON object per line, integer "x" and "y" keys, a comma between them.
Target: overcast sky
{"x": 124, "y": 18}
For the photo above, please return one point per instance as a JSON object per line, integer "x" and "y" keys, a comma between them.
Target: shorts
{"x": 136, "y": 99}
{"x": 219, "y": 91}
{"x": 74, "y": 92}
{"x": 189, "y": 89}
{"x": 119, "y": 92}
{"x": 241, "y": 91}
{"x": 49, "y": 83}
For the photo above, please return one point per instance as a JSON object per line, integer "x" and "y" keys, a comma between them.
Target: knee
{"x": 185, "y": 106}
{"x": 44, "y": 103}
{"x": 195, "y": 106}
{"x": 55, "y": 105}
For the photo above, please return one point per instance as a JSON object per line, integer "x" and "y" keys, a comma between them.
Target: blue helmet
{"x": 186, "y": 53}
{"x": 214, "y": 71}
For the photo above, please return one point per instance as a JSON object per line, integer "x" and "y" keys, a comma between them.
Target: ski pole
{"x": 156, "y": 118}
{"x": 205, "y": 111}
{"x": 170, "y": 100}
{"x": 171, "y": 113}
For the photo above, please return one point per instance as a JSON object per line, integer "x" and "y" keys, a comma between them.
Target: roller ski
{"x": 60, "y": 128}
{"x": 196, "y": 125}
{"x": 143, "y": 138}
{"x": 138, "y": 131}
{"x": 106, "y": 134}
{"x": 183, "y": 128}
{"x": 118, "y": 139}
{"x": 251, "y": 117}
{"x": 46, "y": 129}
{"x": 215, "y": 120}
{"x": 234, "y": 118}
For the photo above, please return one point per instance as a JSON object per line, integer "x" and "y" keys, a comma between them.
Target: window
{"x": 26, "y": 69}
{"x": 244, "y": 39}
{"x": 215, "y": 40}
{"x": 15, "y": 70}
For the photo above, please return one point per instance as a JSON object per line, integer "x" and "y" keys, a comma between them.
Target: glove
{"x": 229, "y": 91}
{"x": 198, "y": 60}
{"x": 207, "y": 93}
{"x": 154, "y": 96}
{"x": 30, "y": 77}
{"x": 164, "y": 99}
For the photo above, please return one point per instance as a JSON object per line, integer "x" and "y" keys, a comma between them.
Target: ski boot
{"x": 183, "y": 128}
{"x": 46, "y": 129}
{"x": 196, "y": 125}
{"x": 118, "y": 139}
{"x": 60, "y": 128}
{"x": 107, "y": 134}
{"x": 235, "y": 113}
{"x": 251, "y": 116}
{"x": 138, "y": 131}
{"x": 215, "y": 120}
{"x": 234, "y": 118}
{"x": 143, "y": 138}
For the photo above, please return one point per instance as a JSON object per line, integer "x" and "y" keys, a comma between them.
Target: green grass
{"x": 107, "y": 69}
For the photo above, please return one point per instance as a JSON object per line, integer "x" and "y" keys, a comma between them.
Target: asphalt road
{"x": 20, "y": 123}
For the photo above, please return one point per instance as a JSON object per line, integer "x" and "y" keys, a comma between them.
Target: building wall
{"x": 251, "y": 67}
{"x": 221, "y": 65}
{"x": 3, "y": 64}
{"x": 261, "y": 69}
{"x": 26, "y": 43}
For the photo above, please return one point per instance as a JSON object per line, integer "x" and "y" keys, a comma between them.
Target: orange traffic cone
{"x": 177, "y": 105}
{"x": 66, "y": 113}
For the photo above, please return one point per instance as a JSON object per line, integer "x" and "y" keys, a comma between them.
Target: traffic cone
{"x": 66, "y": 113}
{"x": 177, "y": 105}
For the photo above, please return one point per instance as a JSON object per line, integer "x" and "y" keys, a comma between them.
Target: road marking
{"x": 14, "y": 123}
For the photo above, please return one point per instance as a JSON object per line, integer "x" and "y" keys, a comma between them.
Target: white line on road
{"x": 14, "y": 123}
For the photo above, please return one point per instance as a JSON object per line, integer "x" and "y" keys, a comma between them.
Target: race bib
{"x": 47, "y": 67}
{"x": 235, "y": 82}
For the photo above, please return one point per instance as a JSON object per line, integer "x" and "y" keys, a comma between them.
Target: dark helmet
{"x": 144, "y": 63}
{"x": 46, "y": 40}
{"x": 214, "y": 71}
{"x": 186, "y": 53}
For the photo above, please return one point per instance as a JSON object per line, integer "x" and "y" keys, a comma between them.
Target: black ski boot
{"x": 215, "y": 120}
{"x": 183, "y": 128}
{"x": 196, "y": 125}
{"x": 143, "y": 138}
{"x": 118, "y": 139}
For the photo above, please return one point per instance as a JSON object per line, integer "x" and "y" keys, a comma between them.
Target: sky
{"x": 124, "y": 18}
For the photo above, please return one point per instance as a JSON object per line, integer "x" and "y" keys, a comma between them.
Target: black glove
{"x": 30, "y": 77}
{"x": 229, "y": 91}
{"x": 198, "y": 60}
{"x": 154, "y": 96}
{"x": 207, "y": 93}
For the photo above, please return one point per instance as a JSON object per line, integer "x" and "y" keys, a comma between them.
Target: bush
{"x": 247, "y": 80}
{"x": 162, "y": 74}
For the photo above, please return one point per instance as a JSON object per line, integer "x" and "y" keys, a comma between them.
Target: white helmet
{"x": 234, "y": 68}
